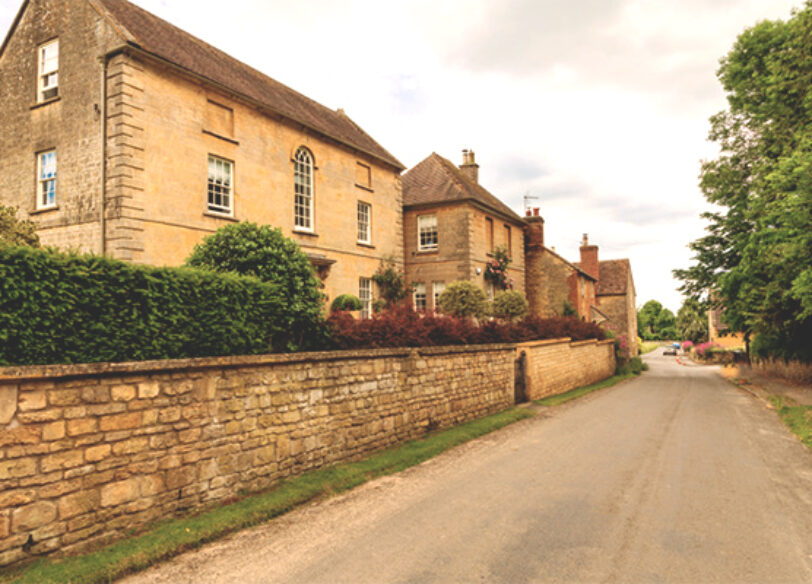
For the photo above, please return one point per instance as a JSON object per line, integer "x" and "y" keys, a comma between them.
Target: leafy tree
{"x": 464, "y": 299}
{"x": 692, "y": 321}
{"x": 263, "y": 252}
{"x": 654, "y": 322}
{"x": 754, "y": 260}
{"x": 13, "y": 231}
{"x": 391, "y": 283}
{"x": 510, "y": 305}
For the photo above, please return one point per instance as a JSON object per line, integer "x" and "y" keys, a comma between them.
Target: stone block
{"x": 62, "y": 460}
{"x": 64, "y": 397}
{"x": 81, "y": 426}
{"x": 8, "y": 403}
{"x": 5, "y": 525}
{"x": 169, "y": 415}
{"x": 97, "y": 453}
{"x": 17, "y": 468}
{"x": 32, "y": 400}
{"x": 120, "y": 492}
{"x": 78, "y": 503}
{"x": 19, "y": 436}
{"x": 33, "y": 516}
{"x": 131, "y": 446}
{"x": 123, "y": 393}
{"x": 149, "y": 390}
{"x": 53, "y": 431}
{"x": 115, "y": 422}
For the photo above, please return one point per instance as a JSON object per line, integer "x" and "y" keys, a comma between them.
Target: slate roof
{"x": 438, "y": 180}
{"x": 149, "y": 33}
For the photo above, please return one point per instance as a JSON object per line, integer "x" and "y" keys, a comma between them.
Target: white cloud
{"x": 598, "y": 107}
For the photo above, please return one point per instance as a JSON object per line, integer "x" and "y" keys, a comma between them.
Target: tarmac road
{"x": 677, "y": 476}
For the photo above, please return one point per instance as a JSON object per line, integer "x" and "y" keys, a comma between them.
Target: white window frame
{"x": 46, "y": 180}
{"x": 419, "y": 297}
{"x": 426, "y": 225}
{"x": 364, "y": 222}
{"x": 303, "y": 190}
{"x": 48, "y": 71}
{"x": 437, "y": 288}
{"x": 365, "y": 296}
{"x": 220, "y": 183}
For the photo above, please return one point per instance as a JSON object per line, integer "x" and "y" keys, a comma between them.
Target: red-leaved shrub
{"x": 403, "y": 327}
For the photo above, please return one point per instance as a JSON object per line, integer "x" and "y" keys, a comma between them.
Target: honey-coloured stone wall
{"x": 559, "y": 365}
{"x": 89, "y": 451}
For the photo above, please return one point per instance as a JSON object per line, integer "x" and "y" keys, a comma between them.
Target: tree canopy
{"x": 654, "y": 322}
{"x": 692, "y": 321}
{"x": 249, "y": 249}
{"x": 13, "y": 231}
{"x": 755, "y": 259}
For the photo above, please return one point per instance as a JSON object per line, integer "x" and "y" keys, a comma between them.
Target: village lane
{"x": 677, "y": 476}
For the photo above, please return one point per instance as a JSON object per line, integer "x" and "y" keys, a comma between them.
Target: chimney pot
{"x": 469, "y": 167}
{"x": 536, "y": 211}
{"x": 586, "y": 240}
{"x": 528, "y": 212}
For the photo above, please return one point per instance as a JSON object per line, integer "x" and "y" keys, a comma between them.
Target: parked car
{"x": 672, "y": 350}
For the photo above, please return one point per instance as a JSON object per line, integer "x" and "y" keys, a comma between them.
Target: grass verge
{"x": 798, "y": 418}
{"x": 649, "y": 346}
{"x": 170, "y": 538}
{"x": 555, "y": 400}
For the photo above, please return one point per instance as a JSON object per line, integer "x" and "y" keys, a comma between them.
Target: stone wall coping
{"x": 79, "y": 370}
{"x": 561, "y": 340}
{"x": 542, "y": 343}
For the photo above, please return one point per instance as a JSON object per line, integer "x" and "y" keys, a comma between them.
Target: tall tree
{"x": 692, "y": 321}
{"x": 755, "y": 259}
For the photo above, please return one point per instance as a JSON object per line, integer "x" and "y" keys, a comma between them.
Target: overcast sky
{"x": 599, "y": 108}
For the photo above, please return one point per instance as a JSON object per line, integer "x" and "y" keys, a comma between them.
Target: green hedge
{"x": 68, "y": 308}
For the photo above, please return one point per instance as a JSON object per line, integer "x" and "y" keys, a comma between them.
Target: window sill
{"x": 46, "y": 102}
{"x": 42, "y": 210}
{"x": 427, "y": 251}
{"x": 365, "y": 244}
{"x": 365, "y": 188}
{"x": 300, "y": 231}
{"x": 221, "y": 137}
{"x": 216, "y": 215}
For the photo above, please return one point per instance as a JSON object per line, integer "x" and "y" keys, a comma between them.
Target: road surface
{"x": 676, "y": 476}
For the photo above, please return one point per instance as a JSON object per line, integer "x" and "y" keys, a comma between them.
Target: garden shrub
{"x": 463, "y": 299}
{"x": 68, "y": 308}
{"x": 634, "y": 366}
{"x": 346, "y": 302}
{"x": 253, "y": 250}
{"x": 510, "y": 305}
{"x": 403, "y": 327}
{"x": 392, "y": 287}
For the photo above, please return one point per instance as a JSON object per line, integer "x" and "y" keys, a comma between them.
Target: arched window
{"x": 303, "y": 181}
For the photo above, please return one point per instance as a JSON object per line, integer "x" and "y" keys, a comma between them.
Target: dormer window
{"x": 48, "y": 67}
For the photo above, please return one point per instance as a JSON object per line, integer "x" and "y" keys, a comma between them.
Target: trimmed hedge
{"x": 69, "y": 308}
{"x": 403, "y": 327}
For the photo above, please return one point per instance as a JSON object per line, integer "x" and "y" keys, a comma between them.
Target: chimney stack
{"x": 469, "y": 167}
{"x": 534, "y": 231}
{"x": 589, "y": 258}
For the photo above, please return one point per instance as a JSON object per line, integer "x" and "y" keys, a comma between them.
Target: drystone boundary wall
{"x": 89, "y": 451}
{"x": 559, "y": 365}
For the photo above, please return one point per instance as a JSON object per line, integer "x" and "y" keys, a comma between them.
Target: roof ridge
{"x": 156, "y": 36}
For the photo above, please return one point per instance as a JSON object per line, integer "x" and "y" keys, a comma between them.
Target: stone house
{"x": 126, "y": 136}
{"x": 719, "y": 332}
{"x": 552, "y": 283}
{"x": 451, "y": 228}
{"x": 615, "y": 292}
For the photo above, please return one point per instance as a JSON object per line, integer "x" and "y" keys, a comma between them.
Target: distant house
{"x": 451, "y": 227}
{"x": 719, "y": 332}
{"x": 615, "y": 294}
{"x": 553, "y": 284}
{"x": 124, "y": 135}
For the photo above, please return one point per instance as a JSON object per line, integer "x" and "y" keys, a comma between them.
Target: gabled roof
{"x": 437, "y": 180}
{"x": 145, "y": 31}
